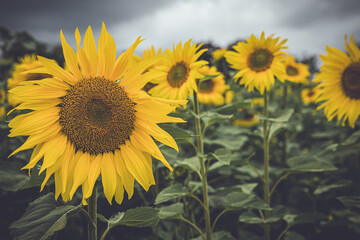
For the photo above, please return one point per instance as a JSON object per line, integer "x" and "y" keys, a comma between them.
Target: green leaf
{"x": 309, "y": 164}
{"x": 207, "y": 77}
{"x": 222, "y": 235}
{"x": 42, "y": 218}
{"x": 293, "y": 219}
{"x": 173, "y": 211}
{"x": 36, "y": 179}
{"x": 170, "y": 193}
{"x": 222, "y": 155}
{"x": 325, "y": 188}
{"x": 233, "y": 107}
{"x": 247, "y": 201}
{"x": 284, "y": 116}
{"x": 177, "y": 133}
{"x": 276, "y": 128}
{"x": 248, "y": 187}
{"x": 210, "y": 118}
{"x": 252, "y": 218}
{"x": 350, "y": 201}
{"x": 10, "y": 181}
{"x": 231, "y": 143}
{"x": 191, "y": 163}
{"x": 137, "y": 217}
{"x": 352, "y": 139}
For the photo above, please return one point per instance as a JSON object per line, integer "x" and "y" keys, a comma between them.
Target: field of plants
{"x": 193, "y": 142}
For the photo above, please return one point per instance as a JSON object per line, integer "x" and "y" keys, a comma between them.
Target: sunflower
{"x": 339, "y": 83}
{"x": 296, "y": 72}
{"x": 94, "y": 121}
{"x": 309, "y": 95}
{"x": 19, "y": 74}
{"x": 176, "y": 75}
{"x": 259, "y": 62}
{"x": 248, "y": 116}
{"x": 248, "y": 119}
{"x": 2, "y": 102}
{"x": 218, "y": 54}
{"x": 211, "y": 91}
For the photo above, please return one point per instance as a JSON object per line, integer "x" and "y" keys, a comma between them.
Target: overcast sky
{"x": 309, "y": 25}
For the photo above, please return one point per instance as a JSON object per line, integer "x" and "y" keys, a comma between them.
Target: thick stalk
{"x": 266, "y": 163}
{"x": 92, "y": 210}
{"x": 203, "y": 170}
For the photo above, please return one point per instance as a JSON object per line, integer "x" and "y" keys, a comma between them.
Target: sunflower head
{"x": 339, "y": 83}
{"x": 259, "y": 61}
{"x": 177, "y": 73}
{"x": 218, "y": 54}
{"x": 93, "y": 119}
{"x": 308, "y": 95}
{"x": 247, "y": 118}
{"x": 22, "y": 73}
{"x": 211, "y": 91}
{"x": 296, "y": 72}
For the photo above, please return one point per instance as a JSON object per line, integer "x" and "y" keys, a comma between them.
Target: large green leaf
{"x": 170, "y": 193}
{"x": 247, "y": 201}
{"x": 173, "y": 211}
{"x": 309, "y": 164}
{"x": 42, "y": 218}
{"x": 293, "y": 219}
{"x": 233, "y": 107}
{"x": 326, "y": 188}
{"x": 222, "y": 155}
{"x": 350, "y": 201}
{"x": 284, "y": 116}
{"x": 252, "y": 218}
{"x": 352, "y": 139}
{"x": 210, "y": 118}
{"x": 177, "y": 133}
{"x": 10, "y": 181}
{"x": 137, "y": 217}
{"x": 190, "y": 163}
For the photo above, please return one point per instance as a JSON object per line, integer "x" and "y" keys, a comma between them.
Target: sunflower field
{"x": 192, "y": 142}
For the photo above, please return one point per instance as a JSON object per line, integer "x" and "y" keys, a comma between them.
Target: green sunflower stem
{"x": 200, "y": 151}
{"x": 92, "y": 210}
{"x": 266, "y": 164}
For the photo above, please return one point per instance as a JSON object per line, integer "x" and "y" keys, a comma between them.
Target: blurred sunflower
{"x": 309, "y": 95}
{"x": 296, "y": 72}
{"x": 229, "y": 96}
{"x": 259, "y": 62}
{"x": 211, "y": 91}
{"x": 2, "y": 102}
{"x": 248, "y": 116}
{"x": 149, "y": 53}
{"x": 93, "y": 121}
{"x": 339, "y": 83}
{"x": 20, "y": 74}
{"x": 177, "y": 74}
{"x": 218, "y": 54}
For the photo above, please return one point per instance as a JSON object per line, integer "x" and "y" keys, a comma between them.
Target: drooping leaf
{"x": 222, "y": 155}
{"x": 326, "y": 188}
{"x": 309, "y": 164}
{"x": 352, "y": 139}
{"x": 190, "y": 163}
{"x": 10, "y": 181}
{"x": 170, "y": 193}
{"x": 173, "y": 211}
{"x": 137, "y": 217}
{"x": 350, "y": 201}
{"x": 284, "y": 116}
{"x": 42, "y": 218}
{"x": 246, "y": 201}
{"x": 210, "y": 118}
{"x": 177, "y": 133}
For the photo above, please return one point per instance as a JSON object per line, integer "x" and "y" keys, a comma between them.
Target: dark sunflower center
{"x": 311, "y": 93}
{"x": 260, "y": 60}
{"x": 97, "y": 115}
{"x": 291, "y": 71}
{"x": 178, "y": 74}
{"x": 206, "y": 86}
{"x": 351, "y": 80}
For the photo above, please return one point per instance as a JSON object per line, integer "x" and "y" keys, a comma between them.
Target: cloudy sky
{"x": 309, "y": 25}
